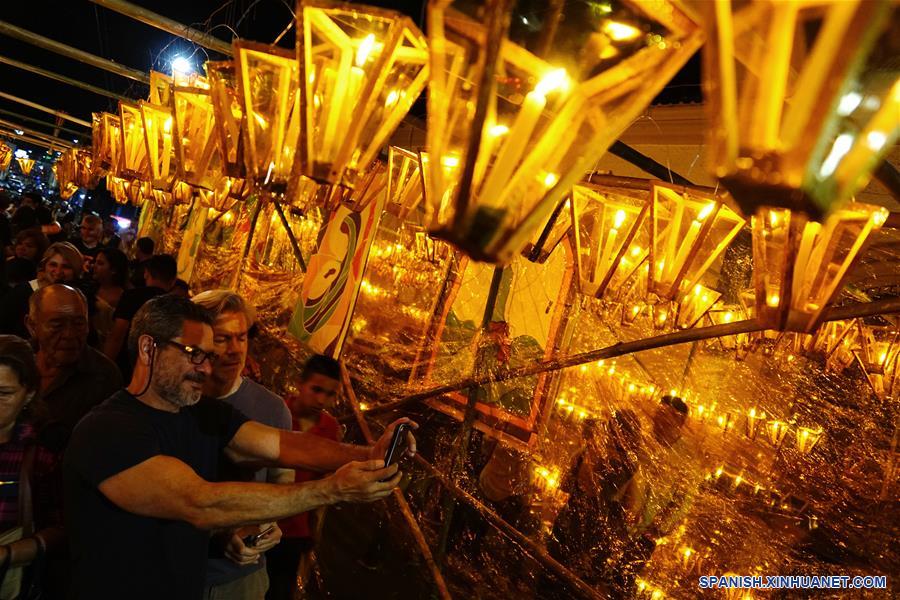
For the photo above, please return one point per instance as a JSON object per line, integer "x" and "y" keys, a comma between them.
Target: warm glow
{"x": 498, "y": 130}
{"x": 619, "y": 219}
{"x": 550, "y": 179}
{"x": 620, "y": 32}
{"x": 556, "y": 79}
{"x": 365, "y": 48}
{"x": 773, "y": 300}
{"x": 707, "y": 210}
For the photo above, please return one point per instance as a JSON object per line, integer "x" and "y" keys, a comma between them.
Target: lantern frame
{"x": 503, "y": 160}
{"x": 682, "y": 221}
{"x": 134, "y": 163}
{"x": 197, "y": 147}
{"x": 404, "y": 184}
{"x": 607, "y": 264}
{"x": 799, "y": 131}
{"x": 159, "y": 135}
{"x": 228, "y": 123}
{"x": 366, "y": 84}
{"x": 799, "y": 265}
{"x": 269, "y": 157}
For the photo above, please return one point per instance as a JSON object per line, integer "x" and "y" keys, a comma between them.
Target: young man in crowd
{"x": 89, "y": 242}
{"x": 140, "y": 498}
{"x": 319, "y": 386}
{"x": 74, "y": 376}
{"x": 160, "y": 273}
{"x": 241, "y": 573}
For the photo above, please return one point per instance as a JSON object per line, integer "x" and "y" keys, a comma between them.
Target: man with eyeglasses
{"x": 140, "y": 499}
{"x": 235, "y": 570}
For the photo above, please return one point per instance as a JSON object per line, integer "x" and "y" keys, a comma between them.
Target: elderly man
{"x": 74, "y": 376}
{"x": 242, "y": 574}
{"x": 139, "y": 469}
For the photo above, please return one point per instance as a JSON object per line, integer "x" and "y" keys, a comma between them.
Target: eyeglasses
{"x": 196, "y": 355}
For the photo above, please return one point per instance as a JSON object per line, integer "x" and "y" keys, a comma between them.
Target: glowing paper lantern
{"x": 228, "y": 123}
{"x": 25, "y": 164}
{"x": 611, "y": 241}
{"x": 690, "y": 228}
{"x": 877, "y": 354}
{"x": 159, "y": 130}
{"x": 777, "y": 430}
{"x": 798, "y": 265}
{"x": 106, "y": 143}
{"x": 754, "y": 419}
{"x": 83, "y": 168}
{"x": 368, "y": 188}
{"x": 64, "y": 169}
{"x": 518, "y": 113}
{"x": 361, "y": 69}
{"x": 160, "y": 88}
{"x": 804, "y": 98}
{"x": 268, "y": 78}
{"x": 197, "y": 147}
{"x": 134, "y": 163}
{"x": 404, "y": 184}
{"x": 694, "y": 305}
{"x": 807, "y": 438}
{"x": 6, "y": 156}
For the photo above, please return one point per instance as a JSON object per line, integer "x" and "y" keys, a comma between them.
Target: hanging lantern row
{"x": 799, "y": 265}
{"x": 516, "y": 116}
{"x": 803, "y": 98}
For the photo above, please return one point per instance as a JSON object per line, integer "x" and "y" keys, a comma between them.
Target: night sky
{"x": 105, "y": 33}
{"x": 102, "y": 32}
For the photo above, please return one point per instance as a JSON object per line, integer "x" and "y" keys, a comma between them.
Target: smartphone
{"x": 395, "y": 448}
{"x": 251, "y": 540}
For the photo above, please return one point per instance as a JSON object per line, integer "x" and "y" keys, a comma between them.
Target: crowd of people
{"x": 140, "y": 460}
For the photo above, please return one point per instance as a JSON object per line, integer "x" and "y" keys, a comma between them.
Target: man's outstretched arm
{"x": 166, "y": 488}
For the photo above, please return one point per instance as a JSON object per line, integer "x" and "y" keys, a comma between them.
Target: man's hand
{"x": 363, "y": 481}
{"x": 381, "y": 446}
{"x": 241, "y": 554}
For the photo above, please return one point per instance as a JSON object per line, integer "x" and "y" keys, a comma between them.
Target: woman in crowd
{"x": 62, "y": 263}
{"x": 30, "y": 245}
{"x": 110, "y": 276}
{"x": 30, "y": 475}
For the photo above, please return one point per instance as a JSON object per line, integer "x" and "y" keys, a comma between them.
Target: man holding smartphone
{"x": 140, "y": 499}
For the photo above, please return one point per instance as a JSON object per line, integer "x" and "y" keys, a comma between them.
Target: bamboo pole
{"x": 249, "y": 244}
{"x": 23, "y": 35}
{"x": 28, "y": 140}
{"x": 38, "y": 134}
{"x": 860, "y": 309}
{"x": 27, "y": 119}
{"x": 290, "y": 234}
{"x": 529, "y": 546}
{"x": 43, "y": 108}
{"x": 166, "y": 24}
{"x": 417, "y": 534}
{"x": 60, "y": 78}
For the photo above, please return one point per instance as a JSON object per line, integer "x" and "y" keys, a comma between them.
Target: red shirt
{"x": 298, "y": 525}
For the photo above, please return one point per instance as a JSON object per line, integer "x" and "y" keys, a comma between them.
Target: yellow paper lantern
{"x": 611, "y": 239}
{"x": 228, "y": 111}
{"x": 268, "y": 80}
{"x": 199, "y": 153}
{"x": 159, "y": 130}
{"x": 807, "y": 438}
{"x": 804, "y": 98}
{"x": 134, "y": 163}
{"x": 83, "y": 164}
{"x": 877, "y": 353}
{"x": 798, "y": 265}
{"x": 373, "y": 183}
{"x": 361, "y": 69}
{"x": 690, "y": 228}
{"x": 518, "y": 113}
{"x": 404, "y": 184}
{"x": 116, "y": 188}
{"x": 754, "y": 419}
{"x": 106, "y": 143}
{"x": 64, "y": 169}
{"x": 6, "y": 156}
{"x": 776, "y": 431}
{"x": 160, "y": 88}
{"x": 694, "y": 305}
{"x": 25, "y": 164}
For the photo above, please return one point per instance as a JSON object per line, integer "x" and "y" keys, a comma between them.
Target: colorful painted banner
{"x": 190, "y": 243}
{"x": 322, "y": 315}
